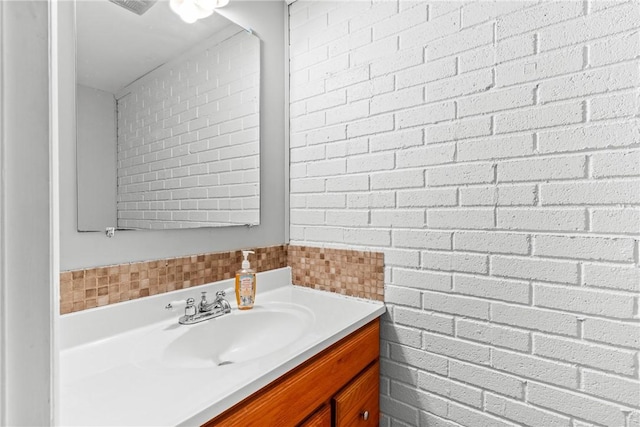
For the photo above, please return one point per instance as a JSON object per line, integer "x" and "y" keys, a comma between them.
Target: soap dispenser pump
{"x": 245, "y": 284}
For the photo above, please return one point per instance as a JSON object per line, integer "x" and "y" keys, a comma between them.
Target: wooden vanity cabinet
{"x": 358, "y": 404}
{"x": 320, "y": 418}
{"x": 338, "y": 387}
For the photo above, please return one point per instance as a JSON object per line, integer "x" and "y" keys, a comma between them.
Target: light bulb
{"x": 188, "y": 10}
{"x": 212, "y": 4}
{"x": 175, "y": 5}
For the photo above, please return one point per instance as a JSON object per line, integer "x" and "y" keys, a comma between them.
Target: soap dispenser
{"x": 245, "y": 284}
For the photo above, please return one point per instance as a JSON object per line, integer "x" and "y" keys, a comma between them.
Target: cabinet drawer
{"x": 320, "y": 418}
{"x": 358, "y": 403}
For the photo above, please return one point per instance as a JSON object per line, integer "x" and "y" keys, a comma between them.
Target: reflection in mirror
{"x": 167, "y": 119}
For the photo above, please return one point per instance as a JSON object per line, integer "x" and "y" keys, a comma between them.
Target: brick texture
{"x": 490, "y": 150}
{"x": 191, "y": 158}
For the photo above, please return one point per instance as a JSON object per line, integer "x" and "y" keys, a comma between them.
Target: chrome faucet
{"x": 204, "y": 310}
{"x": 220, "y": 305}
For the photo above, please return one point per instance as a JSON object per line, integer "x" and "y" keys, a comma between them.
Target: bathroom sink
{"x": 238, "y": 337}
{"x": 133, "y": 364}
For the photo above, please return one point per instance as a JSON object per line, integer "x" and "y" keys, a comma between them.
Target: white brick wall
{"x": 492, "y": 151}
{"x": 189, "y": 157}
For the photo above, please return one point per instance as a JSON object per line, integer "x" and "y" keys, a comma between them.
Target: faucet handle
{"x": 190, "y": 309}
{"x": 226, "y": 307}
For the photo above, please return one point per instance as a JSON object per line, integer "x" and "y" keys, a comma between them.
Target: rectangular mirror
{"x": 168, "y": 118}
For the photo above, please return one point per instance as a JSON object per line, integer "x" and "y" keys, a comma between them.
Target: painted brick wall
{"x": 491, "y": 151}
{"x": 188, "y": 140}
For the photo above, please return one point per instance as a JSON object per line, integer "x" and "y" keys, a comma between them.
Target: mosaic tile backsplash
{"x": 95, "y": 287}
{"x": 346, "y": 272}
{"x": 336, "y": 270}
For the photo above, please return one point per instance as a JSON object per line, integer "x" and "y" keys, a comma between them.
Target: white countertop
{"x": 105, "y": 379}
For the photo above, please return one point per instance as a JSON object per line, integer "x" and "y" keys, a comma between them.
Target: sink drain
{"x": 226, "y": 362}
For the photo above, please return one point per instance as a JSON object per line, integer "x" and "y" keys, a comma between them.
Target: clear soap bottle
{"x": 245, "y": 284}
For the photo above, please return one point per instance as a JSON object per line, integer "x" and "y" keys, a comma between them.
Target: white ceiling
{"x": 116, "y": 47}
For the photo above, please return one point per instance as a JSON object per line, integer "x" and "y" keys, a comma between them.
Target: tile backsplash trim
{"x": 342, "y": 271}
{"x": 347, "y": 272}
{"x": 99, "y": 286}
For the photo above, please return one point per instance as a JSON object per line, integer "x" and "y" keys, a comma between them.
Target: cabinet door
{"x": 320, "y": 418}
{"x": 290, "y": 399}
{"x": 358, "y": 403}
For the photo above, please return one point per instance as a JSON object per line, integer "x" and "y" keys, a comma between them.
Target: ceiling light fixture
{"x": 192, "y": 10}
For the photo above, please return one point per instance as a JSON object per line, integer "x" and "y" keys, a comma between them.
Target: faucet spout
{"x": 219, "y": 304}
{"x": 205, "y": 310}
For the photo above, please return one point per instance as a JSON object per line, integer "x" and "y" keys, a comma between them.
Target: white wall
{"x": 26, "y": 217}
{"x": 96, "y": 158}
{"x": 79, "y": 250}
{"x": 191, "y": 158}
{"x": 491, "y": 150}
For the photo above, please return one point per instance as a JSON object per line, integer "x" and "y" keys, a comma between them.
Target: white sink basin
{"x": 237, "y": 337}
{"x": 132, "y": 363}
